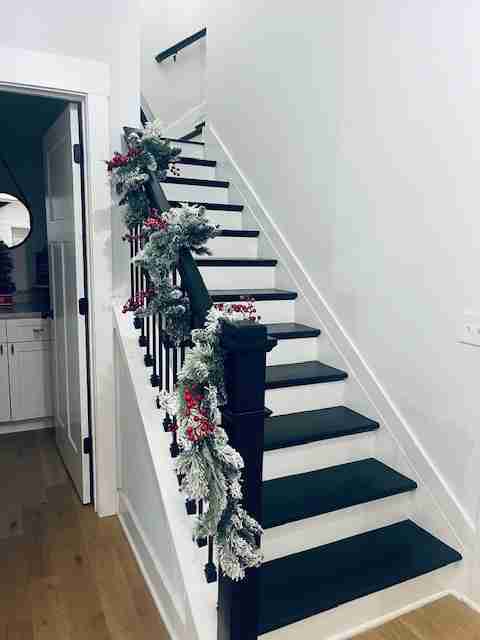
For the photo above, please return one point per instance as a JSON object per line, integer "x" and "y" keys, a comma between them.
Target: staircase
{"x": 336, "y": 519}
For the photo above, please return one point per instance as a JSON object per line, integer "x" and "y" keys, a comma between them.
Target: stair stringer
{"x": 187, "y": 121}
{"x": 434, "y": 507}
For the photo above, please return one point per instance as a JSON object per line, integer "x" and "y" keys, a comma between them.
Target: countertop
{"x": 25, "y": 310}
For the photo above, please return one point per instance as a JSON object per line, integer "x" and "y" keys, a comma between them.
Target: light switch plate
{"x": 470, "y": 330}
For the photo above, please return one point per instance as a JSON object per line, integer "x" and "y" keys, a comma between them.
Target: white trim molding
{"x": 25, "y": 425}
{"x": 187, "y": 121}
{"x": 88, "y": 82}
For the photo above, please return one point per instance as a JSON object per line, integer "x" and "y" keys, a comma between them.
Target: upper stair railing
{"x": 173, "y": 50}
{"x": 245, "y": 345}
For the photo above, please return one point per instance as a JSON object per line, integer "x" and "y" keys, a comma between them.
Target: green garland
{"x": 209, "y": 467}
{"x": 163, "y": 235}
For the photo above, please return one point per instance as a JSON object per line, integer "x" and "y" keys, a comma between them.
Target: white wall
{"x": 107, "y": 31}
{"x": 172, "y": 88}
{"x": 360, "y": 122}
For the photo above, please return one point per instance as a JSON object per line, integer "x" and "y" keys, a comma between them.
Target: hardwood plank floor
{"x": 64, "y": 573}
{"x": 67, "y": 575}
{"x": 445, "y": 619}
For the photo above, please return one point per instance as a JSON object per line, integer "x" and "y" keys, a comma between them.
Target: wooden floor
{"x": 444, "y": 619}
{"x": 64, "y": 573}
{"x": 67, "y": 575}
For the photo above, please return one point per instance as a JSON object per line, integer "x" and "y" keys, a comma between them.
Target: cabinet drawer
{"x": 3, "y": 330}
{"x": 28, "y": 329}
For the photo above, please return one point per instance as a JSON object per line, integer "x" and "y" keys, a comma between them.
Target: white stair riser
{"x": 305, "y": 397}
{"x": 238, "y": 277}
{"x": 226, "y": 247}
{"x": 274, "y": 310}
{"x": 293, "y": 350}
{"x": 195, "y": 193}
{"x": 317, "y": 455}
{"x": 189, "y": 150}
{"x": 348, "y": 619}
{"x": 194, "y": 171}
{"x": 315, "y": 532}
{"x": 225, "y": 219}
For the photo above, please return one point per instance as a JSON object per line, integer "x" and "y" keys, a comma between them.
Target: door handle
{"x": 12, "y": 350}
{"x": 1, "y": 349}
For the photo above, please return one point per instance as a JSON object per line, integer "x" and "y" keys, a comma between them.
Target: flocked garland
{"x": 209, "y": 468}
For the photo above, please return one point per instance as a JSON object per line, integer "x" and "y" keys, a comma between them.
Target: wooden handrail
{"x": 173, "y": 50}
{"x": 192, "y": 281}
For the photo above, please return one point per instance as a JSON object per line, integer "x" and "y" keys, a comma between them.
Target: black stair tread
{"x": 235, "y": 262}
{"x": 238, "y": 233}
{"x": 304, "y": 584}
{"x": 210, "y": 206}
{"x": 291, "y": 330}
{"x": 311, "y": 426}
{"x": 197, "y": 161}
{"x": 197, "y": 131}
{"x": 179, "y": 140}
{"x": 232, "y": 295}
{"x": 315, "y": 493}
{"x": 196, "y": 182}
{"x": 301, "y": 373}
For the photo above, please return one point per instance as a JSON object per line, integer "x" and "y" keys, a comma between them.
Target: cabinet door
{"x": 4, "y": 384}
{"x": 30, "y": 379}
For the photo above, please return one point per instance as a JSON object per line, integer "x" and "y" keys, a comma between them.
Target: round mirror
{"x": 15, "y": 221}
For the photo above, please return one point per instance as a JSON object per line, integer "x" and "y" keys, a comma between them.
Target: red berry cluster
{"x": 155, "y": 223}
{"x": 203, "y": 426}
{"x": 120, "y": 160}
{"x": 246, "y": 308}
{"x": 137, "y": 301}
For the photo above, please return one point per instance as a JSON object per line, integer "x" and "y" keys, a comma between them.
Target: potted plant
{"x": 7, "y": 286}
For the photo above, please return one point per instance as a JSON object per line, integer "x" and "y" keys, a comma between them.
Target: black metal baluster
{"x": 137, "y": 322}
{"x": 191, "y": 507}
{"x": 210, "y": 568}
{"x": 160, "y": 352}
{"x": 167, "y": 423}
{"x": 132, "y": 274}
{"x": 142, "y": 340}
{"x": 154, "y": 380}
{"x": 201, "y": 542}
{"x": 148, "y": 356}
{"x": 174, "y": 448}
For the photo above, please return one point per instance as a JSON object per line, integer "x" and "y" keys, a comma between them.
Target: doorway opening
{"x": 45, "y": 395}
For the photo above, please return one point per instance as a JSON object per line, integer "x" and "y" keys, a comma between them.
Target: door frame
{"x": 86, "y": 82}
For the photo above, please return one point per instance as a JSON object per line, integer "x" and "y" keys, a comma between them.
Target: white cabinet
{"x": 25, "y": 370}
{"x": 4, "y": 384}
{"x": 30, "y": 365}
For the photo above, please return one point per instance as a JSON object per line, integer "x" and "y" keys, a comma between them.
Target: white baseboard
{"x": 449, "y": 515}
{"x": 468, "y": 601}
{"x": 144, "y": 556}
{"x": 378, "y": 622}
{"x": 26, "y": 425}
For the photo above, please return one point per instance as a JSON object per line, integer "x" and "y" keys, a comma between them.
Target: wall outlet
{"x": 470, "y": 330}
